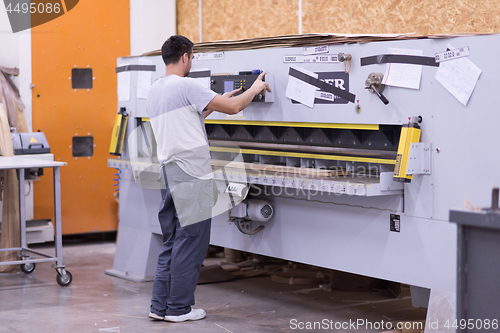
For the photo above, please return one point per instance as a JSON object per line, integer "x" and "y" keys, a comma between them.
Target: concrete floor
{"x": 96, "y": 302}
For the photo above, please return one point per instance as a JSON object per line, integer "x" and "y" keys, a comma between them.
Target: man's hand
{"x": 260, "y": 86}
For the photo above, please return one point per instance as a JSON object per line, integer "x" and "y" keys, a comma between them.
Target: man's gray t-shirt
{"x": 175, "y": 106}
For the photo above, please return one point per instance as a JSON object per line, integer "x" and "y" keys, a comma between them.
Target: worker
{"x": 177, "y": 106}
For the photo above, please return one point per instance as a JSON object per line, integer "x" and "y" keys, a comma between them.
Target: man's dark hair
{"x": 174, "y": 47}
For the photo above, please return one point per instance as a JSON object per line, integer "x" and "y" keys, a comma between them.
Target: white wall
{"x": 151, "y": 23}
{"x": 9, "y": 42}
{"x": 15, "y": 51}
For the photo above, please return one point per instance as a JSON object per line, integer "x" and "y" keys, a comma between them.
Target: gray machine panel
{"x": 352, "y": 232}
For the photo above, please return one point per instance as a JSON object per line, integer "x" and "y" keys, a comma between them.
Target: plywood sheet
{"x": 22, "y": 126}
{"x": 422, "y": 17}
{"x": 188, "y": 19}
{"x": 223, "y": 19}
{"x": 276, "y": 170}
{"x": 10, "y": 236}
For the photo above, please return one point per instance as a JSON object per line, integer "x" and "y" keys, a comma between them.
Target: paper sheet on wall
{"x": 144, "y": 79}
{"x": 459, "y": 77}
{"x": 202, "y": 75}
{"x": 205, "y": 81}
{"x": 123, "y": 85}
{"x": 403, "y": 75}
{"x": 299, "y": 90}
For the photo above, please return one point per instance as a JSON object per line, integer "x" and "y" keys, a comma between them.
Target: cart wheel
{"x": 64, "y": 280}
{"x": 28, "y": 268}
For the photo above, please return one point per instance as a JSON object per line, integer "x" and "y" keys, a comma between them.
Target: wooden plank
{"x": 303, "y": 172}
{"x": 10, "y": 115}
{"x": 11, "y": 229}
{"x": 5, "y": 140}
{"x": 22, "y": 126}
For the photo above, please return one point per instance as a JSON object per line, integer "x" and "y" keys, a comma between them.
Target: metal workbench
{"x": 20, "y": 163}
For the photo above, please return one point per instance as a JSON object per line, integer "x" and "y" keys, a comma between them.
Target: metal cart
{"x": 28, "y": 264}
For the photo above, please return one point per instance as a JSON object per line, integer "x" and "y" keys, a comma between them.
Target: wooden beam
{"x": 303, "y": 172}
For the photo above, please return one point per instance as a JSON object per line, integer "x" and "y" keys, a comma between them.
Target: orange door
{"x": 79, "y": 50}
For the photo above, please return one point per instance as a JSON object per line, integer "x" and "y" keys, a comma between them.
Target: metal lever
{"x": 382, "y": 97}
{"x": 374, "y": 85}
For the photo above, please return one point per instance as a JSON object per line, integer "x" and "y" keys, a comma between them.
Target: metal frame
{"x": 420, "y": 159}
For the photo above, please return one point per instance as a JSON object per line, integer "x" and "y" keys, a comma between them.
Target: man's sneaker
{"x": 155, "y": 316}
{"x": 195, "y": 314}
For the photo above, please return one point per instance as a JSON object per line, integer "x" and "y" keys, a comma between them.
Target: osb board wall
{"x": 249, "y": 19}
{"x": 423, "y": 17}
{"x": 188, "y": 19}
{"x": 226, "y": 20}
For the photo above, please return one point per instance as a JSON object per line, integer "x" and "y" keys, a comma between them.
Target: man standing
{"x": 177, "y": 106}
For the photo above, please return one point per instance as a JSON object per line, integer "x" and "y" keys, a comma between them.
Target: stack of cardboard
{"x": 298, "y": 41}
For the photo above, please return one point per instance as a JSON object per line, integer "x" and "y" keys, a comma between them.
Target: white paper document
{"x": 204, "y": 80}
{"x": 299, "y": 90}
{"x": 459, "y": 77}
{"x": 124, "y": 85}
{"x": 144, "y": 79}
{"x": 403, "y": 75}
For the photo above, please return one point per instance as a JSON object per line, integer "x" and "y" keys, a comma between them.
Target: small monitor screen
{"x": 228, "y": 86}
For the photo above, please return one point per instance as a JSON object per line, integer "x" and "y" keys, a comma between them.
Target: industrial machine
{"x": 30, "y": 143}
{"x": 356, "y": 166}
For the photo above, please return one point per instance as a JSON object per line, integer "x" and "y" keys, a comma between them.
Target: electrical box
{"x": 30, "y": 143}
{"x": 225, "y": 83}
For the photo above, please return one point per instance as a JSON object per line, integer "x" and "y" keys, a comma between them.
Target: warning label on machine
{"x": 339, "y": 80}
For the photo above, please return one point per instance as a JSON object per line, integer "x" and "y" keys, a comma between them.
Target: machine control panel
{"x": 225, "y": 83}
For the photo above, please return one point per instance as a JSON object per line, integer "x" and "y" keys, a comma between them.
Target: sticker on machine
{"x": 321, "y": 58}
{"x": 315, "y": 49}
{"x": 209, "y": 56}
{"x": 337, "y": 79}
{"x": 452, "y": 54}
{"x": 326, "y": 96}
